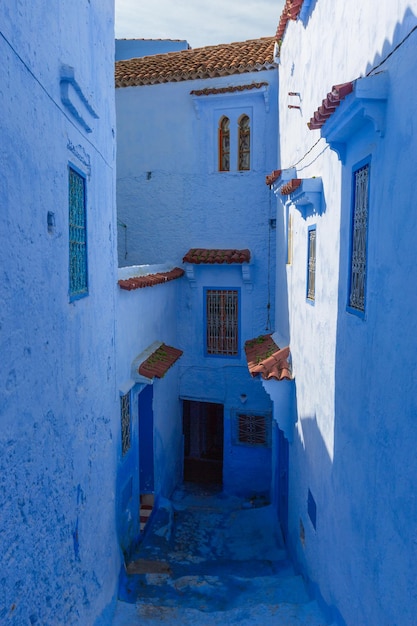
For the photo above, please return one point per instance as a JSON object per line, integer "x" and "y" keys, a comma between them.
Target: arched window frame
{"x": 224, "y": 144}
{"x": 243, "y": 143}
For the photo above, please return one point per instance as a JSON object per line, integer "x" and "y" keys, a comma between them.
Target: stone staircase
{"x": 207, "y": 559}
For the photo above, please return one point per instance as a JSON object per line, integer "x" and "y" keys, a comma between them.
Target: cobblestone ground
{"x": 207, "y": 559}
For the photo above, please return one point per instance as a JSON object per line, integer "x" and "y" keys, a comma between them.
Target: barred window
{"x": 222, "y": 322}
{"x": 224, "y": 144}
{"x": 126, "y": 422}
{"x": 244, "y": 143}
{"x": 253, "y": 430}
{"x": 311, "y": 269}
{"x": 359, "y": 238}
{"x": 78, "y": 281}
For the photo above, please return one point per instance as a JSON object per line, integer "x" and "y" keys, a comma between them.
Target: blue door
{"x": 282, "y": 482}
{"x": 146, "y": 454}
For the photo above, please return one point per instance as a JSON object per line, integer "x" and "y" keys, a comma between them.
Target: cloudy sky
{"x": 200, "y": 22}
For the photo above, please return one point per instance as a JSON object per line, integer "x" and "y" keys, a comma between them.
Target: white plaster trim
{"x": 126, "y": 386}
{"x": 136, "y": 271}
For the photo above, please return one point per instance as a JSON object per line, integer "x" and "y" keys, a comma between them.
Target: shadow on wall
{"x": 312, "y": 515}
{"x": 373, "y": 474}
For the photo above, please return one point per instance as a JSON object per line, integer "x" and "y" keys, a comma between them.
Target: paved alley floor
{"x": 208, "y": 559}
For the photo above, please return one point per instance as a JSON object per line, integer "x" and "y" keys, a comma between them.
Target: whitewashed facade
{"x": 352, "y": 504}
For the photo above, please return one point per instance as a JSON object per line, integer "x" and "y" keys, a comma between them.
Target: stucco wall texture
{"x": 59, "y": 413}
{"x": 145, "y": 316}
{"x": 171, "y": 197}
{"x": 354, "y": 446}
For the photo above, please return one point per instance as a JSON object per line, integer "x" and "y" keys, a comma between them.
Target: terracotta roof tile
{"x": 159, "y": 362}
{"x": 290, "y": 11}
{"x": 266, "y": 359}
{"x": 271, "y": 178}
{"x": 209, "y": 62}
{"x": 232, "y": 89}
{"x": 205, "y": 255}
{"x": 329, "y": 105}
{"x": 291, "y": 186}
{"x": 138, "y": 282}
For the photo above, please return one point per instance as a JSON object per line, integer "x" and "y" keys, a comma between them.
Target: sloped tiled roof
{"x": 159, "y": 362}
{"x": 138, "y": 282}
{"x": 208, "y": 62}
{"x": 266, "y": 359}
{"x": 329, "y": 105}
{"x": 272, "y": 177}
{"x": 206, "y": 255}
{"x": 232, "y": 89}
{"x": 291, "y": 186}
{"x": 290, "y": 11}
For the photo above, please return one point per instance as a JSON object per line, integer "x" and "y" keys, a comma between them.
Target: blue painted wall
{"x": 59, "y": 557}
{"x": 144, "y": 316}
{"x": 171, "y": 198}
{"x": 354, "y": 441}
{"x": 225, "y": 380}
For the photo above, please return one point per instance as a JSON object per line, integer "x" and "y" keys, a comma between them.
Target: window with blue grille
{"x": 78, "y": 278}
{"x": 311, "y": 264}
{"x": 359, "y": 237}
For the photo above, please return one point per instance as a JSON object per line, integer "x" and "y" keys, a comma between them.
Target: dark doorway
{"x": 203, "y": 442}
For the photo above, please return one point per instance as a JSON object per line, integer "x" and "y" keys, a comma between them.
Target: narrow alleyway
{"x": 207, "y": 559}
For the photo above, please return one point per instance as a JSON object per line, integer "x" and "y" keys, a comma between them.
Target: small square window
{"x": 253, "y": 429}
{"x": 125, "y": 421}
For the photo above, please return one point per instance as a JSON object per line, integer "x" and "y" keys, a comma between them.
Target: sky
{"x": 200, "y": 22}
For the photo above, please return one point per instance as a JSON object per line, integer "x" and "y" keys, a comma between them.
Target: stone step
{"x": 280, "y": 614}
{"x": 210, "y": 592}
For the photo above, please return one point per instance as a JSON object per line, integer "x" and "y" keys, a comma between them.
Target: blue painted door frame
{"x": 146, "y": 452}
{"x": 283, "y": 466}
{"x": 280, "y": 480}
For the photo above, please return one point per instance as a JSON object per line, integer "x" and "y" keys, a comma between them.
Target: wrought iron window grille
{"x": 78, "y": 278}
{"x": 244, "y": 143}
{"x": 359, "y": 235}
{"x": 311, "y": 270}
{"x": 222, "y": 322}
{"x": 253, "y": 429}
{"x": 224, "y": 144}
{"x": 125, "y": 422}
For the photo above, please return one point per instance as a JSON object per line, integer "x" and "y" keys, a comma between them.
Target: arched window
{"x": 244, "y": 143}
{"x": 224, "y": 144}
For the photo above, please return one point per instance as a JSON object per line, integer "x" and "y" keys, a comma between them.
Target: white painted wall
{"x": 354, "y": 444}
